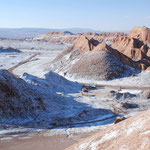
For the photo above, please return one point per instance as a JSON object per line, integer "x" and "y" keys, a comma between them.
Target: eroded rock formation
{"x": 141, "y": 33}
{"x": 91, "y": 60}
{"x": 135, "y": 46}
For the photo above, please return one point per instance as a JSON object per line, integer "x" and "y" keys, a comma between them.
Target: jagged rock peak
{"x": 84, "y": 43}
{"x": 141, "y": 33}
{"x": 135, "y": 46}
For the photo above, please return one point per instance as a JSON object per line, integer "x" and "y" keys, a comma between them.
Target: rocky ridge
{"x": 67, "y": 37}
{"x": 92, "y": 60}
{"x": 135, "y": 46}
{"x": 141, "y": 33}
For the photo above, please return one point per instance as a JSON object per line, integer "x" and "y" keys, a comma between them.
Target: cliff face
{"x": 132, "y": 133}
{"x": 85, "y": 44}
{"x": 141, "y": 33}
{"x": 135, "y": 46}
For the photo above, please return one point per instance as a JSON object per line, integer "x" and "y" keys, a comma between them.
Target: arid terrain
{"x": 59, "y": 88}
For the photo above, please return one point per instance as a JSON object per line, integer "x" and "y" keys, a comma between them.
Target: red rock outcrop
{"x": 90, "y": 60}
{"x": 141, "y": 33}
{"x": 132, "y": 133}
{"x": 56, "y": 37}
{"x": 67, "y": 37}
{"x": 105, "y": 37}
{"x": 134, "y": 46}
{"x": 130, "y": 47}
{"x": 85, "y": 44}
{"x": 121, "y": 57}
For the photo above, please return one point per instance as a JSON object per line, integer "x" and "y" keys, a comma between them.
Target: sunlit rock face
{"x": 135, "y": 46}
{"x": 90, "y": 59}
{"x": 141, "y": 33}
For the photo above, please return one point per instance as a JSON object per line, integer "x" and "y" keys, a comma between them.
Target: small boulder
{"x": 119, "y": 120}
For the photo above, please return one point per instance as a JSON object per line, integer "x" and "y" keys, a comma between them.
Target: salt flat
{"x": 47, "y": 52}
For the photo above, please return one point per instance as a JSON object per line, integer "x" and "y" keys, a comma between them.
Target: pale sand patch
{"x": 41, "y": 142}
{"x": 58, "y": 142}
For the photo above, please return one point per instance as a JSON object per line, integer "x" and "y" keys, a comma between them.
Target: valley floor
{"x": 124, "y": 97}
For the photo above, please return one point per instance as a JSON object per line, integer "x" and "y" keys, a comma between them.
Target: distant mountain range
{"x": 22, "y": 33}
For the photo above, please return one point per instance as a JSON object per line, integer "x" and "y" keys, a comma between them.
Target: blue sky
{"x": 95, "y": 14}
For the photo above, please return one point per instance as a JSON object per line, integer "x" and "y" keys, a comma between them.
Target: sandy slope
{"x": 38, "y": 143}
{"x": 131, "y": 134}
